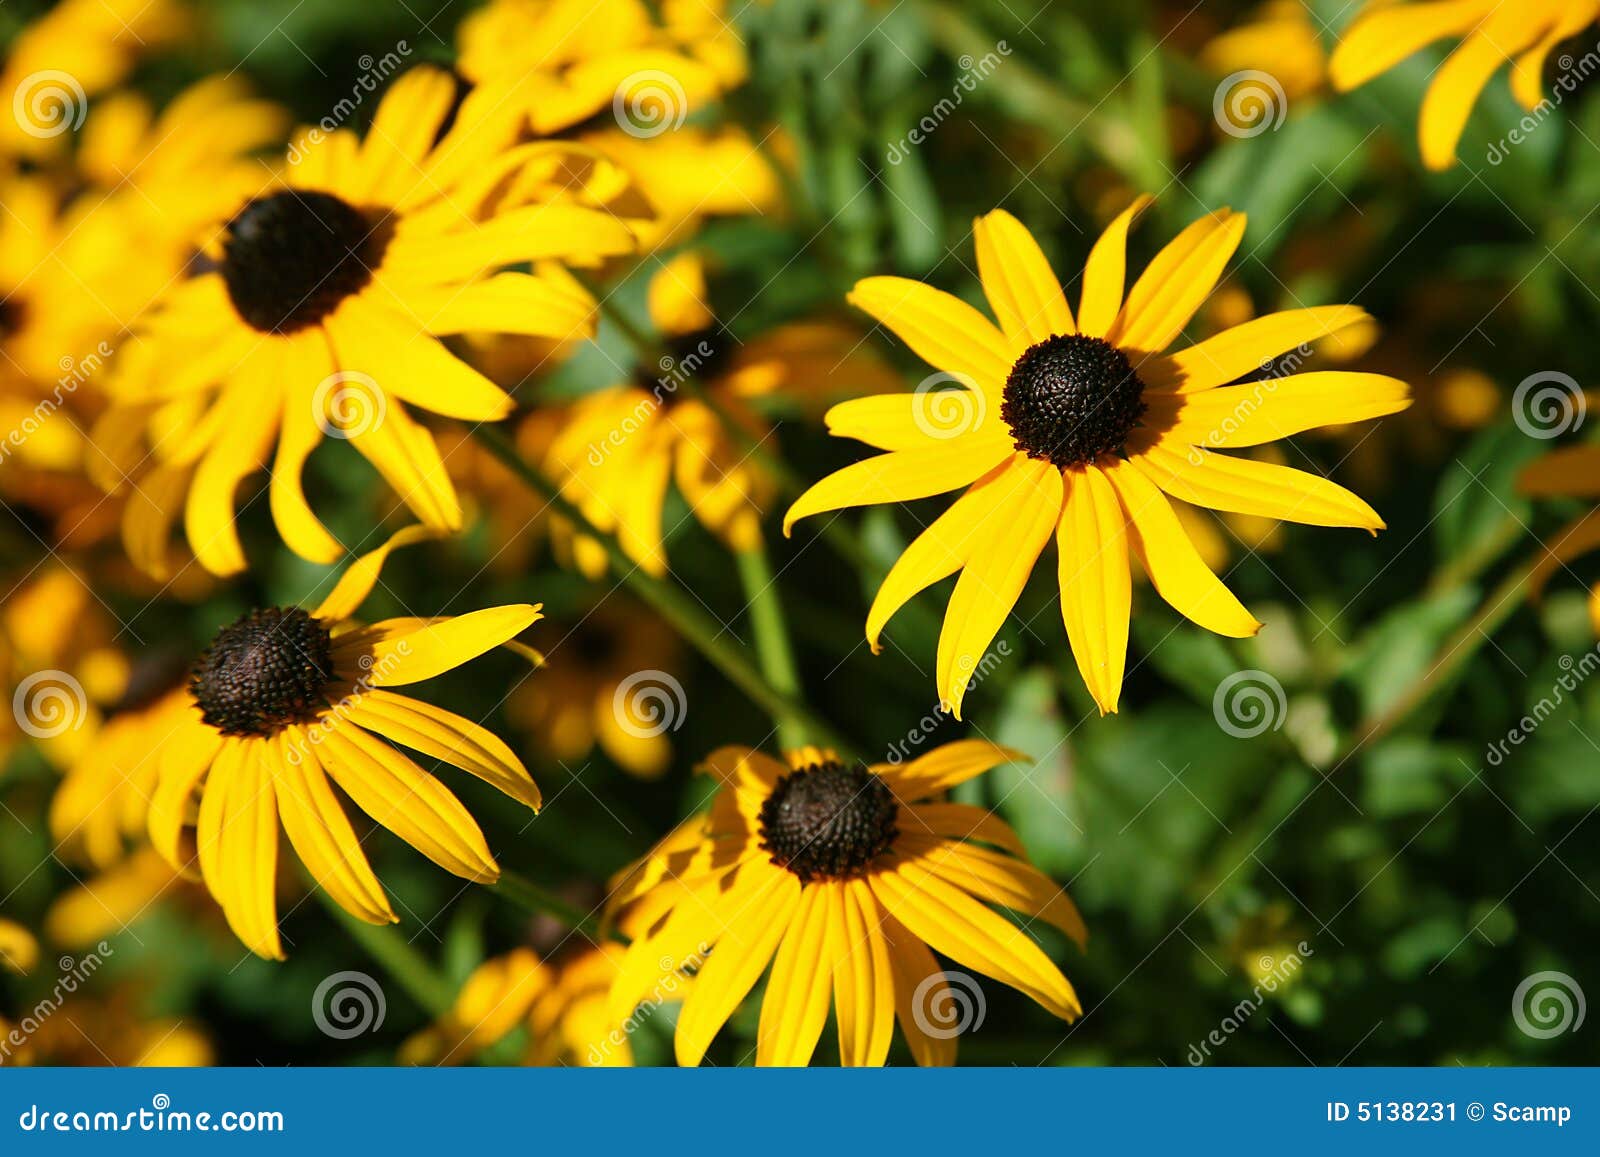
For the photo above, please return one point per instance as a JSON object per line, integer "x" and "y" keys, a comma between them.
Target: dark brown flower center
{"x": 1070, "y": 399}
{"x": 290, "y": 258}
{"x": 828, "y": 821}
{"x": 263, "y": 672}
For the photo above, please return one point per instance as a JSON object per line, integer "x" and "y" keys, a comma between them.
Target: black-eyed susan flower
{"x": 1570, "y": 472}
{"x": 1080, "y": 429}
{"x": 1492, "y": 34}
{"x": 321, "y": 312}
{"x": 562, "y": 61}
{"x": 620, "y": 448}
{"x": 1279, "y": 38}
{"x": 562, "y": 1004}
{"x": 286, "y": 703}
{"x": 842, "y": 877}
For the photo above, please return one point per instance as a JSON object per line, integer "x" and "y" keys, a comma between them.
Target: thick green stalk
{"x": 540, "y": 902}
{"x": 771, "y": 637}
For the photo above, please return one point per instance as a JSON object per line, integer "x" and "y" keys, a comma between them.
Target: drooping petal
{"x": 994, "y": 575}
{"x": 1378, "y": 40}
{"x": 361, "y": 576}
{"x": 412, "y": 655}
{"x": 1002, "y": 880}
{"x": 919, "y": 986}
{"x": 863, "y": 979}
{"x": 307, "y": 363}
{"x": 1176, "y": 569}
{"x": 1095, "y": 582}
{"x": 238, "y": 842}
{"x": 1461, "y": 80}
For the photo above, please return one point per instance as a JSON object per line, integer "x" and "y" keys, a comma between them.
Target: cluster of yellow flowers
{"x": 181, "y": 311}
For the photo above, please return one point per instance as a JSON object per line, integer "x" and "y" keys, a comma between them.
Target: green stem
{"x": 539, "y": 901}
{"x": 772, "y": 637}
{"x": 398, "y": 957}
{"x": 1501, "y": 603}
{"x": 685, "y": 615}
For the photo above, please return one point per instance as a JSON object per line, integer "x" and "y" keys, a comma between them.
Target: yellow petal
{"x": 1176, "y": 569}
{"x": 406, "y": 800}
{"x": 961, "y": 821}
{"x": 413, "y": 108}
{"x": 938, "y": 552}
{"x": 1458, "y": 83}
{"x": 1378, "y": 40}
{"x": 920, "y": 420}
{"x": 953, "y": 923}
{"x": 1096, "y": 588}
{"x": 1245, "y": 486}
{"x": 901, "y": 476}
{"x": 863, "y": 979}
{"x": 795, "y": 1007}
{"x": 942, "y": 330}
{"x": 361, "y": 576}
{"x": 919, "y": 988}
{"x": 946, "y": 766}
{"x": 1017, "y": 279}
{"x": 238, "y": 842}
{"x": 306, "y": 364}
{"x": 322, "y": 836}
{"x": 1106, "y": 271}
{"x": 759, "y": 908}
{"x": 1176, "y": 283}
{"x": 1247, "y": 348}
{"x": 520, "y": 303}
{"x": 1005, "y": 881}
{"x": 447, "y": 737}
{"x": 410, "y": 656}
{"x": 1274, "y": 408}
{"x": 1024, "y": 517}
{"x": 252, "y": 406}
{"x": 405, "y": 454}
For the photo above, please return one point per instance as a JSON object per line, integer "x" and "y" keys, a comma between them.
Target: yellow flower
{"x": 86, "y": 1031}
{"x": 78, "y": 49}
{"x": 283, "y": 700}
{"x": 1079, "y": 430}
{"x": 562, "y": 1004}
{"x": 19, "y": 951}
{"x": 1491, "y": 33}
{"x": 322, "y": 313}
{"x": 620, "y": 447}
{"x": 599, "y": 693}
{"x": 562, "y": 61}
{"x": 1279, "y": 38}
{"x": 842, "y": 877}
{"x": 1570, "y": 472}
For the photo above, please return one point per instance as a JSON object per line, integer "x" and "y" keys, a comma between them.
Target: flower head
{"x": 1082, "y": 430}
{"x": 842, "y": 877}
